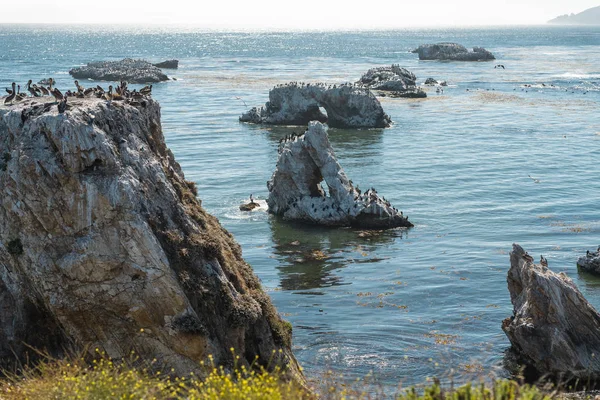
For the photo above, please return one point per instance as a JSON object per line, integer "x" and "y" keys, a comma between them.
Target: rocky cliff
{"x": 104, "y": 244}
{"x": 554, "y": 331}
{"x": 347, "y": 106}
{"x": 296, "y": 191}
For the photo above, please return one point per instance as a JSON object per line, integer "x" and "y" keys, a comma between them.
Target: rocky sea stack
{"x": 347, "y": 106}
{"x": 590, "y": 262}
{"x": 104, "y": 244}
{"x": 452, "y": 52}
{"x": 296, "y": 191}
{"x": 130, "y": 70}
{"x": 393, "y": 79}
{"x": 554, "y": 331}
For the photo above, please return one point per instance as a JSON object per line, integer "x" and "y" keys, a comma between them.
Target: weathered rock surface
{"x": 169, "y": 64}
{"x": 554, "y": 330}
{"x": 296, "y": 191}
{"x": 590, "y": 262}
{"x": 347, "y": 106}
{"x": 132, "y": 71}
{"x": 103, "y": 244}
{"x": 452, "y": 52}
{"x": 392, "y": 79}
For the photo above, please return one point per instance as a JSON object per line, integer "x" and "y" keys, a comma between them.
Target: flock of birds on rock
{"x": 319, "y": 85}
{"x": 120, "y": 93}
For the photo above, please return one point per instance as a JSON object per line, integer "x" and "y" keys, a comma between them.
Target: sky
{"x": 289, "y": 14}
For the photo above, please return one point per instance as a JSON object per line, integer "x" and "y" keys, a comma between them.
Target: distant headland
{"x": 590, "y": 16}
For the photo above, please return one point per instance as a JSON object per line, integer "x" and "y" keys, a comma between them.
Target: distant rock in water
{"x": 590, "y": 262}
{"x": 169, "y": 64}
{"x": 393, "y": 79}
{"x": 132, "y": 71}
{"x": 296, "y": 191}
{"x": 431, "y": 81}
{"x": 104, "y": 244}
{"x": 347, "y": 106}
{"x": 452, "y": 52}
{"x": 554, "y": 331}
{"x": 591, "y": 16}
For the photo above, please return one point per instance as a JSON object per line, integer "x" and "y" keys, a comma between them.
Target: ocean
{"x": 402, "y": 305}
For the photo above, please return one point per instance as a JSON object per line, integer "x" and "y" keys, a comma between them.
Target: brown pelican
{"x": 11, "y": 97}
{"x": 146, "y": 90}
{"x": 32, "y": 90}
{"x": 57, "y": 94}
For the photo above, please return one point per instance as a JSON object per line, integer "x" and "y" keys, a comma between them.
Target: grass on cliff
{"x": 104, "y": 379}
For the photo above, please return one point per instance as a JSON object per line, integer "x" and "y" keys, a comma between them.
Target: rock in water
{"x": 169, "y": 64}
{"x": 553, "y": 330}
{"x": 103, "y": 244}
{"x": 452, "y": 52}
{"x": 590, "y": 262}
{"x": 132, "y": 71}
{"x": 347, "y": 106}
{"x": 394, "y": 79}
{"x": 295, "y": 190}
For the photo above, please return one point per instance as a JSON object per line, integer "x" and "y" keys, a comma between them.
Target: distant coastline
{"x": 590, "y": 16}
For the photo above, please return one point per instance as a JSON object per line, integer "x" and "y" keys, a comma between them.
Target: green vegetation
{"x": 105, "y": 379}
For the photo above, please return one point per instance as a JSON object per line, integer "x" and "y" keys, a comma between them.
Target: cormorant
{"x": 62, "y": 106}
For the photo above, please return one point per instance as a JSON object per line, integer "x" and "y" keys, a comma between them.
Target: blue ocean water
{"x": 405, "y": 305}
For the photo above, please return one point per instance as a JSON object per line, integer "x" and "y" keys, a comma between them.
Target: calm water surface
{"x": 406, "y": 305}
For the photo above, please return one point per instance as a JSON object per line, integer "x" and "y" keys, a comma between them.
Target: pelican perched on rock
{"x": 57, "y": 94}
{"x": 11, "y": 97}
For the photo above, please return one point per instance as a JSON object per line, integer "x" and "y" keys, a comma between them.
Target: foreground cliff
{"x": 347, "y": 106}
{"x": 554, "y": 331}
{"x": 296, "y": 191}
{"x": 103, "y": 244}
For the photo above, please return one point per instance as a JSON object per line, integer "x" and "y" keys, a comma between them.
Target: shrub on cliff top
{"x": 105, "y": 379}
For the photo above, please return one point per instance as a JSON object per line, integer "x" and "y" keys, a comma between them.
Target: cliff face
{"x": 103, "y": 244}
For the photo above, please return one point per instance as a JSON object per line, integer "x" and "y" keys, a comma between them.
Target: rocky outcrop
{"x": 169, "y": 64}
{"x": 590, "y": 262}
{"x": 296, "y": 191}
{"x": 554, "y": 331}
{"x": 132, "y": 71}
{"x": 392, "y": 79}
{"x": 431, "y": 81}
{"x": 347, "y": 106}
{"x": 104, "y": 244}
{"x": 452, "y": 52}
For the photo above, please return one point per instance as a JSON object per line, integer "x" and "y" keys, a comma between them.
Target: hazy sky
{"x": 289, "y": 14}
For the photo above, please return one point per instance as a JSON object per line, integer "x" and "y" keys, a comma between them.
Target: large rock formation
{"x": 554, "y": 330}
{"x": 296, "y": 192}
{"x": 394, "y": 79}
{"x": 590, "y": 262}
{"x": 452, "y": 52}
{"x": 347, "y": 106}
{"x": 132, "y": 71}
{"x": 103, "y": 244}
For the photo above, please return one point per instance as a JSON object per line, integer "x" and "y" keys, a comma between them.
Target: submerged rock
{"x": 590, "y": 262}
{"x": 132, "y": 71}
{"x": 169, "y": 64}
{"x": 104, "y": 244}
{"x": 296, "y": 191}
{"x": 554, "y": 331}
{"x": 452, "y": 52}
{"x": 347, "y": 106}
